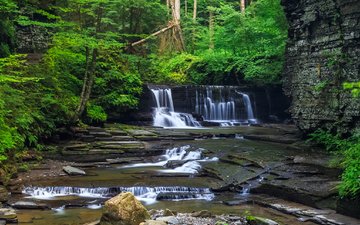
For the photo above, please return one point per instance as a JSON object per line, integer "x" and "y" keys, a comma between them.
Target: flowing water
{"x": 218, "y": 104}
{"x": 164, "y": 114}
{"x": 76, "y": 200}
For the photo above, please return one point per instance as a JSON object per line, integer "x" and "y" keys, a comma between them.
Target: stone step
{"x": 117, "y": 132}
{"x": 118, "y": 143}
{"x": 106, "y": 151}
{"x": 100, "y": 134}
{"x": 95, "y": 129}
{"x": 123, "y": 146}
{"x": 77, "y": 147}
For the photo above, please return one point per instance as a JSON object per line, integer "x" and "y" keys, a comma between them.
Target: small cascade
{"x": 189, "y": 157}
{"x": 149, "y": 195}
{"x": 223, "y": 105}
{"x": 215, "y": 108}
{"x": 165, "y": 115}
{"x": 247, "y": 187}
{"x": 250, "y": 113}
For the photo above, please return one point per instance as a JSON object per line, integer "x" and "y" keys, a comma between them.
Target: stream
{"x": 181, "y": 187}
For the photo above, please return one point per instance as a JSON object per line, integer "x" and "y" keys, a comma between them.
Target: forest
{"x": 77, "y": 63}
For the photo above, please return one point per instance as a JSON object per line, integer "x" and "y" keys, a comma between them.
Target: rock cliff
{"x": 323, "y": 51}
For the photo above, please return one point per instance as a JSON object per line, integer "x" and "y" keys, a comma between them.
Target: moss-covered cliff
{"x": 323, "y": 51}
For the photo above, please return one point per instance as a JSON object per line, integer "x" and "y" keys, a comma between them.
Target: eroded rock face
{"x": 323, "y": 51}
{"x": 124, "y": 209}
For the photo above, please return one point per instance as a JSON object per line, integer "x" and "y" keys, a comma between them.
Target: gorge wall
{"x": 323, "y": 51}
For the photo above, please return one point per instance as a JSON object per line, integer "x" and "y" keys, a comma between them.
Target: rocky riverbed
{"x": 240, "y": 167}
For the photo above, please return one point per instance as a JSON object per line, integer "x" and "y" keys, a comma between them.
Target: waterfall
{"x": 215, "y": 108}
{"x": 148, "y": 195}
{"x": 250, "y": 113}
{"x": 165, "y": 115}
{"x": 222, "y": 104}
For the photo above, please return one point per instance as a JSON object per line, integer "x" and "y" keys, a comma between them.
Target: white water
{"x": 148, "y": 195}
{"x": 183, "y": 153}
{"x": 165, "y": 115}
{"x": 220, "y": 104}
{"x": 220, "y": 109}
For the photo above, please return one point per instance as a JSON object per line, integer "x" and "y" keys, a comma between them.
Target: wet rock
{"x": 73, "y": 171}
{"x": 8, "y": 214}
{"x": 4, "y": 194}
{"x": 236, "y": 202}
{"x": 97, "y": 222}
{"x": 262, "y": 221}
{"x": 77, "y": 147}
{"x": 100, "y": 134}
{"x": 202, "y": 213}
{"x": 2, "y": 222}
{"x": 349, "y": 206}
{"x": 311, "y": 36}
{"x": 141, "y": 133}
{"x": 175, "y": 163}
{"x": 124, "y": 209}
{"x": 168, "y": 219}
{"x": 124, "y": 160}
{"x": 284, "y": 139}
{"x": 153, "y": 222}
{"x": 168, "y": 212}
{"x": 29, "y": 205}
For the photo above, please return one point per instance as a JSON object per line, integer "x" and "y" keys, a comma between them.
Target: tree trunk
{"x": 177, "y": 10}
{"x": 195, "y": 10}
{"x": 242, "y": 5}
{"x": 88, "y": 83}
{"x": 211, "y": 29}
{"x": 153, "y": 35}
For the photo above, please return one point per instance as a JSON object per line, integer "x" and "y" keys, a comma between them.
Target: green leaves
{"x": 348, "y": 150}
{"x": 354, "y": 87}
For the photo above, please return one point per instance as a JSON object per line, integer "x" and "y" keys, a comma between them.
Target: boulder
{"x": 4, "y": 194}
{"x": 124, "y": 209}
{"x": 73, "y": 171}
{"x": 202, "y": 213}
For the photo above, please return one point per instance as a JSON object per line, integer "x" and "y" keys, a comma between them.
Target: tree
{"x": 242, "y": 6}
{"x": 195, "y": 10}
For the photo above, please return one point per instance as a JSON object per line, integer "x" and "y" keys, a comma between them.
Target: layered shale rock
{"x": 323, "y": 51}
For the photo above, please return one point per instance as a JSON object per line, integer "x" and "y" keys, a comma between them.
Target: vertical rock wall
{"x": 323, "y": 51}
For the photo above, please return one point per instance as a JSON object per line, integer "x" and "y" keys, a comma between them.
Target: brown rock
{"x": 124, "y": 209}
{"x": 202, "y": 213}
{"x": 4, "y": 194}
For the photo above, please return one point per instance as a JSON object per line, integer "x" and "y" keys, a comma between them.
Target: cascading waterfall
{"x": 165, "y": 115}
{"x": 148, "y": 195}
{"x": 220, "y": 104}
{"x": 212, "y": 109}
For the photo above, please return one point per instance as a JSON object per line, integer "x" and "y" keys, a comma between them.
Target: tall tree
{"x": 195, "y": 10}
{"x": 242, "y": 5}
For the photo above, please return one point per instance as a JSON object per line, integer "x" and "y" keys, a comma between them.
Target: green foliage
{"x": 354, "y": 87}
{"x": 248, "y": 47}
{"x": 349, "y": 150}
{"x": 351, "y": 175}
{"x": 96, "y": 113}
